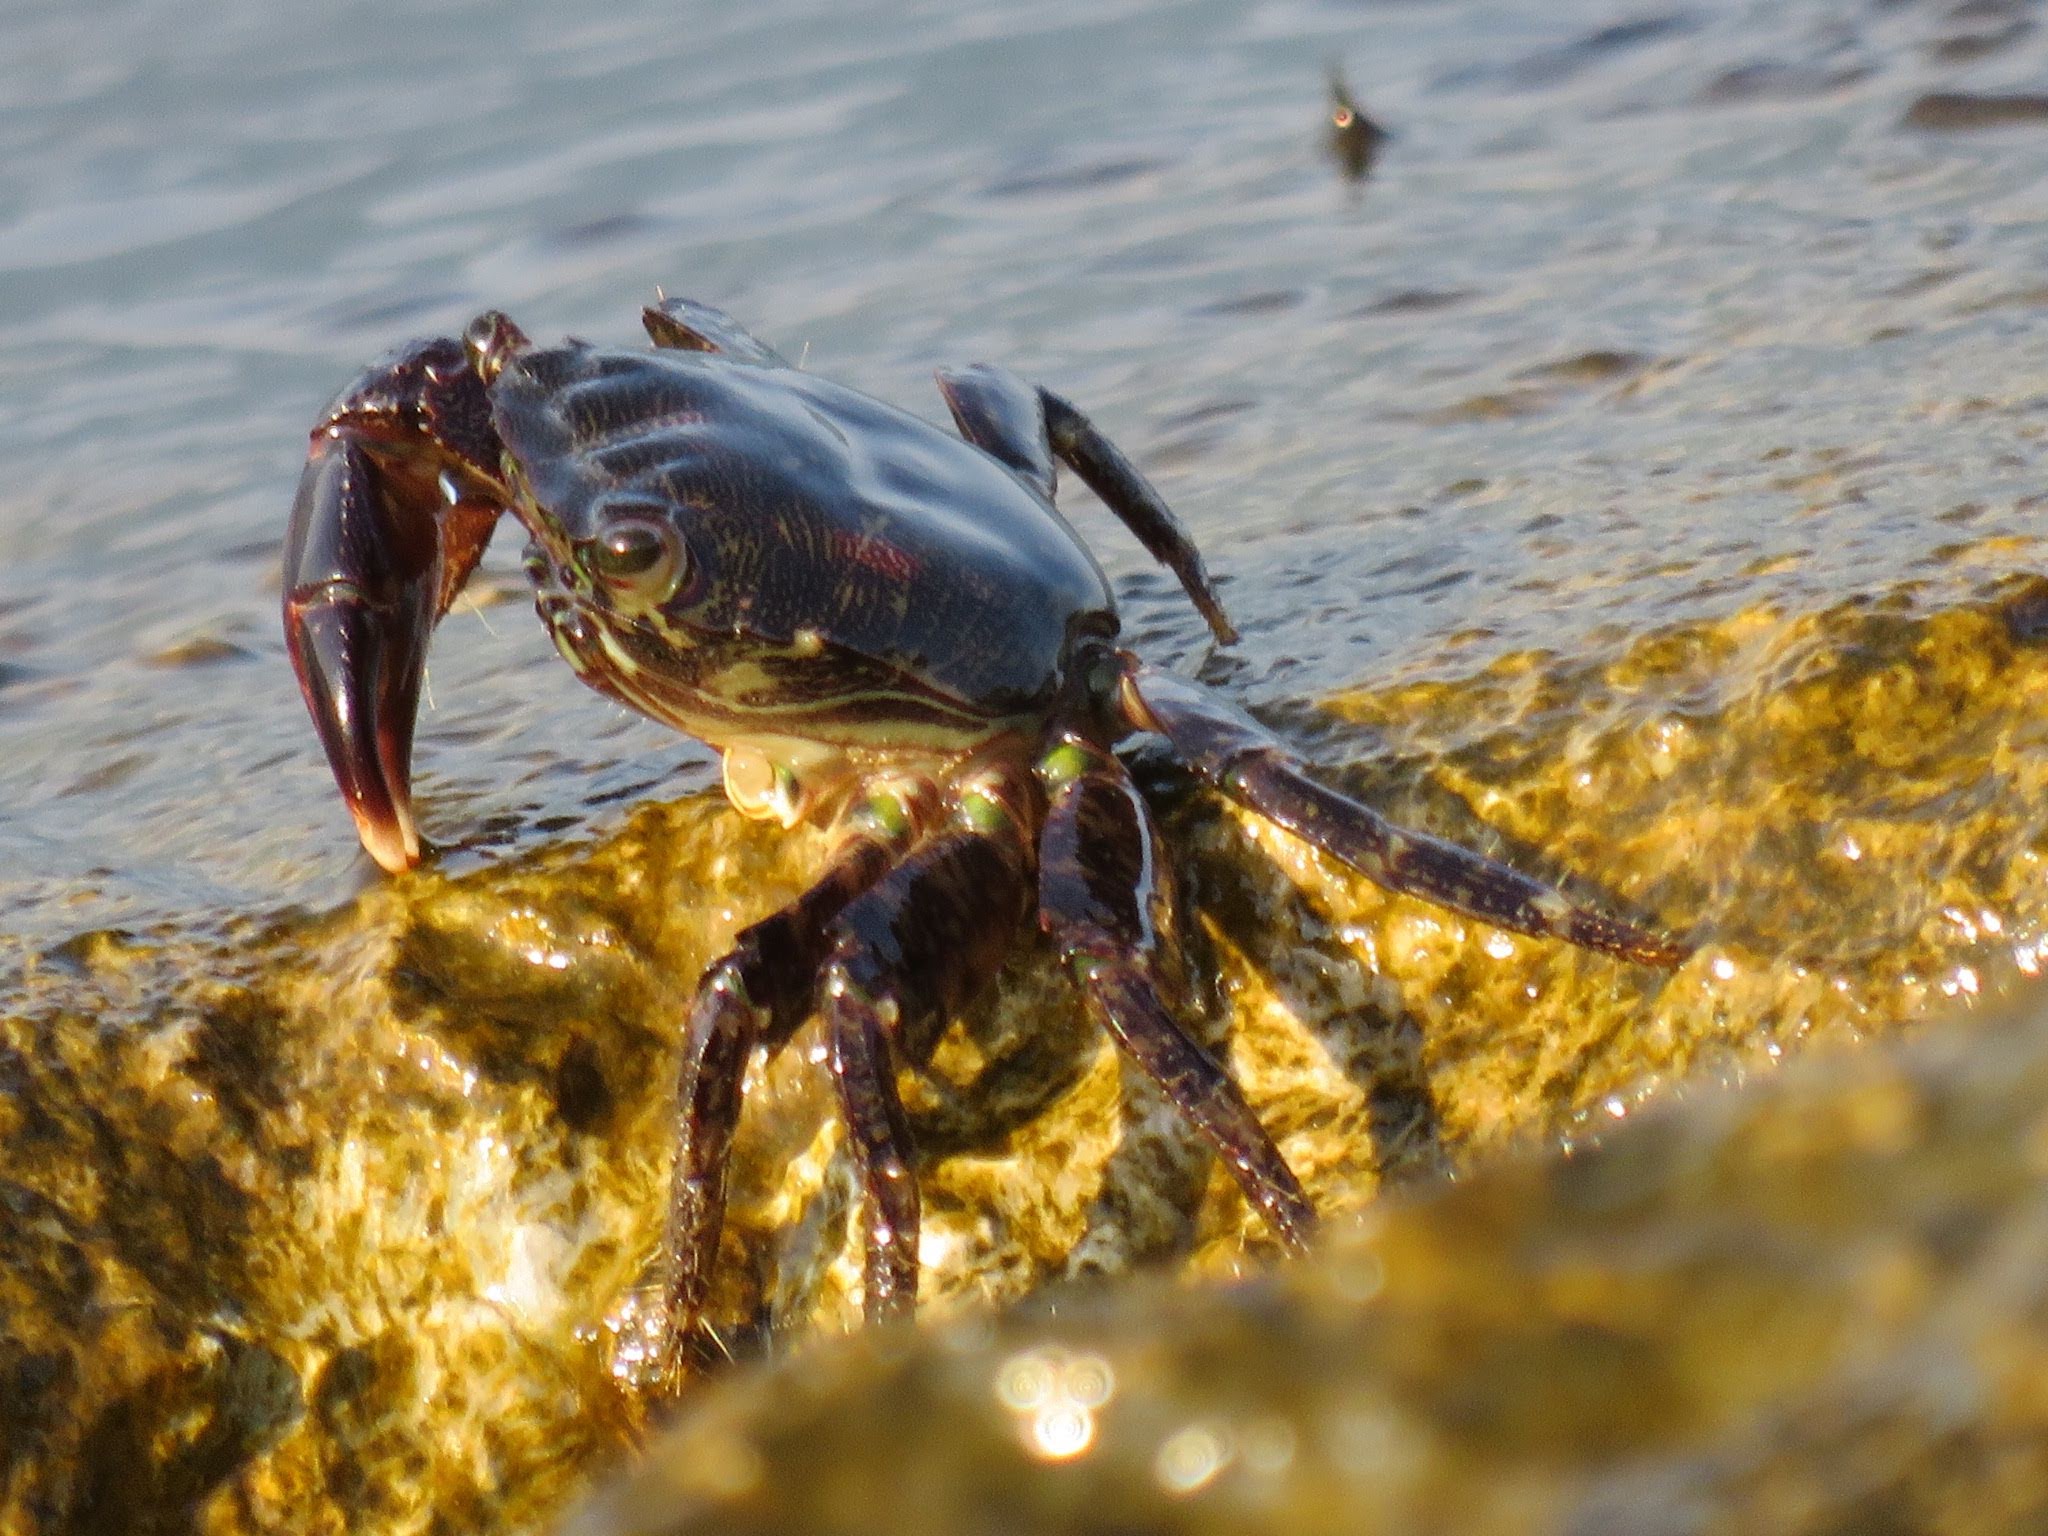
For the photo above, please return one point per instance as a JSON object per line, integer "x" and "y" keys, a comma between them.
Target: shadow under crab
{"x": 883, "y": 628}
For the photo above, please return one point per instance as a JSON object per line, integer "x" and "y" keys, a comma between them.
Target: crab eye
{"x": 638, "y": 558}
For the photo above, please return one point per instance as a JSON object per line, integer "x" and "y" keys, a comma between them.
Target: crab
{"x": 883, "y": 628}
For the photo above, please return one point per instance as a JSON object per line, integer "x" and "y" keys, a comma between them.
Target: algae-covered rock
{"x": 346, "y": 1222}
{"x": 1820, "y": 1306}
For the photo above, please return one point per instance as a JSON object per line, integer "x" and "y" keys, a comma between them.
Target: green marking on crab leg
{"x": 985, "y": 813}
{"x": 1068, "y": 759}
{"x": 889, "y": 811}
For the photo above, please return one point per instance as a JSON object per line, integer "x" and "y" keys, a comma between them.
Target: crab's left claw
{"x": 362, "y": 574}
{"x": 395, "y": 507}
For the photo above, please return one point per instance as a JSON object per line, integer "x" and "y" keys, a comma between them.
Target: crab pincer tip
{"x": 359, "y": 667}
{"x": 393, "y": 842}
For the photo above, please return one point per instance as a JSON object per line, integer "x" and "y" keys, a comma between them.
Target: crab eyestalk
{"x": 395, "y": 506}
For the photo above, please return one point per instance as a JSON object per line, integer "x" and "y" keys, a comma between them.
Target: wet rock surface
{"x": 1815, "y": 1306}
{"x": 346, "y": 1222}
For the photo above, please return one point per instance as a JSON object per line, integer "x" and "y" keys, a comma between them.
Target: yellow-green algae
{"x": 1817, "y": 1307}
{"x": 343, "y": 1223}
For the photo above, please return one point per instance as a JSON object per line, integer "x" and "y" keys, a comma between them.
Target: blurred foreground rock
{"x": 1818, "y": 1306}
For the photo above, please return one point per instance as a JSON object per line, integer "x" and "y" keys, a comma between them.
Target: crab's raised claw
{"x": 1250, "y": 765}
{"x": 360, "y": 584}
{"x": 397, "y": 501}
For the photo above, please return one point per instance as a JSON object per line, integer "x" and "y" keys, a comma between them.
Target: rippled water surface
{"x": 1646, "y": 315}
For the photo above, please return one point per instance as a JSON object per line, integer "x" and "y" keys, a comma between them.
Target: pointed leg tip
{"x": 671, "y": 1368}
{"x": 1294, "y": 1221}
{"x": 1629, "y": 942}
{"x": 1670, "y": 954}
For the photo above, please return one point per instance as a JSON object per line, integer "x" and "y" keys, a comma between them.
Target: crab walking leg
{"x": 1102, "y": 901}
{"x": 1026, "y": 426}
{"x": 1250, "y": 765}
{"x": 1137, "y": 505}
{"x": 758, "y": 993}
{"x": 879, "y": 1138}
{"x": 907, "y": 953}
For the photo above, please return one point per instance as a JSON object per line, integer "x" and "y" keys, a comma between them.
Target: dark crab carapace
{"x": 881, "y": 626}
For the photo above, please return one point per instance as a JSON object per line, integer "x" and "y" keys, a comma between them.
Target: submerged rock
{"x": 345, "y": 1222}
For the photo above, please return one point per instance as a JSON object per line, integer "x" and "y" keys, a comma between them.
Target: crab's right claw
{"x": 362, "y": 574}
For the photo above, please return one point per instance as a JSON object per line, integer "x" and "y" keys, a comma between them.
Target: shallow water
{"x": 1644, "y": 316}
